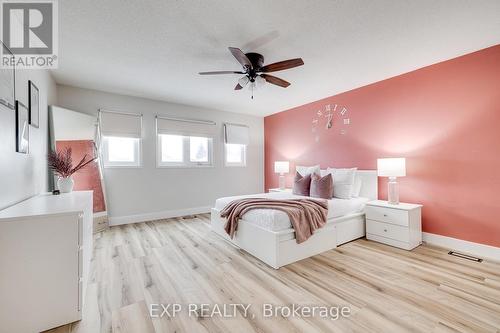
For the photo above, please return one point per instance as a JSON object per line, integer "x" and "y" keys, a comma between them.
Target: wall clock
{"x": 327, "y": 116}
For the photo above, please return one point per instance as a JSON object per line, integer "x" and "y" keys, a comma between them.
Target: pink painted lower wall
{"x": 445, "y": 119}
{"x": 88, "y": 178}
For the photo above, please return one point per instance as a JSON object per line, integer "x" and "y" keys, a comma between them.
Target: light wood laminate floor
{"x": 181, "y": 261}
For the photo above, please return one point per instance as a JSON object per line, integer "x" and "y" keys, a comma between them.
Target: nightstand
{"x": 280, "y": 190}
{"x": 395, "y": 225}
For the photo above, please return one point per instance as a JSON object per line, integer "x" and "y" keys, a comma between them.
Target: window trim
{"x": 236, "y": 164}
{"x": 117, "y": 165}
{"x": 186, "y": 163}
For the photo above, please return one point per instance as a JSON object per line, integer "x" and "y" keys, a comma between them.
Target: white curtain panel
{"x": 236, "y": 134}
{"x": 120, "y": 124}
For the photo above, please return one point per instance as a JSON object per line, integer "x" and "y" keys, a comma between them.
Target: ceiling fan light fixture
{"x": 260, "y": 81}
{"x": 252, "y": 86}
{"x": 243, "y": 80}
{"x": 254, "y": 71}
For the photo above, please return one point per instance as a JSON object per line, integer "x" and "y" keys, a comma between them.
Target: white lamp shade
{"x": 281, "y": 167}
{"x": 391, "y": 167}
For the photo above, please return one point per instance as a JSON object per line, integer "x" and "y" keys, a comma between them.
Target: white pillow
{"x": 343, "y": 182}
{"x": 356, "y": 188}
{"x": 304, "y": 170}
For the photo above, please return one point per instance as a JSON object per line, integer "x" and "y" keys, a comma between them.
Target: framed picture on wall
{"x": 33, "y": 104}
{"x": 7, "y": 80}
{"x": 22, "y": 128}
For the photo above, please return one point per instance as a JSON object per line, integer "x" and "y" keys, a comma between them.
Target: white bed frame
{"x": 279, "y": 248}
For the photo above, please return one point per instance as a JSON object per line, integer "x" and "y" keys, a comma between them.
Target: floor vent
{"x": 464, "y": 256}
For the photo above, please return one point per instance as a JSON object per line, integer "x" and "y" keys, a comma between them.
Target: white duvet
{"x": 276, "y": 220}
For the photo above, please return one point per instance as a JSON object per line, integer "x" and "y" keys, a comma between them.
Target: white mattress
{"x": 276, "y": 220}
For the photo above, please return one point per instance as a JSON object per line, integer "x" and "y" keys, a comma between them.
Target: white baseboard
{"x": 100, "y": 214}
{"x": 118, "y": 220}
{"x": 478, "y": 250}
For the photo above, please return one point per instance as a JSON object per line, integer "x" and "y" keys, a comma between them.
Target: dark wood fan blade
{"x": 275, "y": 80}
{"x": 240, "y": 56}
{"x": 282, "y": 65}
{"x": 220, "y": 72}
{"x": 238, "y": 87}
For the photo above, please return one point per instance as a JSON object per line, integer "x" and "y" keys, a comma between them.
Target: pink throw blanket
{"x": 306, "y": 215}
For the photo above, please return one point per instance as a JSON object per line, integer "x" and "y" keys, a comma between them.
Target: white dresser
{"x": 45, "y": 253}
{"x": 396, "y": 225}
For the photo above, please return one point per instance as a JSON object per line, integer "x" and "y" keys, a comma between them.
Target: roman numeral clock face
{"x": 330, "y": 117}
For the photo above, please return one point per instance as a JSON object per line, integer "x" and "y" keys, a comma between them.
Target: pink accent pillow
{"x": 301, "y": 184}
{"x": 322, "y": 187}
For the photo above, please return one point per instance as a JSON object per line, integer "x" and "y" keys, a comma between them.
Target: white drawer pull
{"x": 385, "y": 230}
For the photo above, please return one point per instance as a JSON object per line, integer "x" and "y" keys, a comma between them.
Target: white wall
{"x": 151, "y": 192}
{"x": 22, "y": 176}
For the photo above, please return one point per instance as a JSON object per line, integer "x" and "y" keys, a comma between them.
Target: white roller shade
{"x": 236, "y": 134}
{"x": 120, "y": 124}
{"x": 185, "y": 127}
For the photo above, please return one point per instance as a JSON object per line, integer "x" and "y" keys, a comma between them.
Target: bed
{"x": 276, "y": 245}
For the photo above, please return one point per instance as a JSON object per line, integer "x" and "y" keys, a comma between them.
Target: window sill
{"x": 122, "y": 166}
{"x": 184, "y": 166}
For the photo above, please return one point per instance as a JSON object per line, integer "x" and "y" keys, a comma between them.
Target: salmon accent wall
{"x": 87, "y": 178}
{"x": 445, "y": 119}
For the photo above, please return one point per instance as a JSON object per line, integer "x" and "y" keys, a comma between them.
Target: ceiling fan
{"x": 254, "y": 70}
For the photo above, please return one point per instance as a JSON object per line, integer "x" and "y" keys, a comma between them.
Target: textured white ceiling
{"x": 155, "y": 49}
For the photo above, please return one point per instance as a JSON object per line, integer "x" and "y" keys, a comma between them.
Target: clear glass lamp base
{"x": 282, "y": 182}
{"x": 393, "y": 191}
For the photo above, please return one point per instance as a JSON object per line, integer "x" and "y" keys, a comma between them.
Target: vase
{"x": 65, "y": 184}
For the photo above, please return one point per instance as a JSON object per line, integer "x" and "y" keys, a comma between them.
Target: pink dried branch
{"x": 62, "y": 163}
{"x": 82, "y": 164}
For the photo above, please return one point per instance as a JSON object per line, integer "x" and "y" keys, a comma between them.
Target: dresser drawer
{"x": 388, "y": 230}
{"x": 389, "y": 215}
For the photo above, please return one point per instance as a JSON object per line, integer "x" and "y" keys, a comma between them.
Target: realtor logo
{"x": 29, "y": 31}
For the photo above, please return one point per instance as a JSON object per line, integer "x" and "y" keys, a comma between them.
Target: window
{"x": 184, "y": 151}
{"x": 172, "y": 150}
{"x": 121, "y": 134}
{"x": 198, "y": 149}
{"x": 236, "y": 138}
{"x": 184, "y": 142}
{"x": 235, "y": 155}
{"x": 121, "y": 152}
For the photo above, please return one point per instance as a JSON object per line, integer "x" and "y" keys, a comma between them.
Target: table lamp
{"x": 282, "y": 167}
{"x": 392, "y": 168}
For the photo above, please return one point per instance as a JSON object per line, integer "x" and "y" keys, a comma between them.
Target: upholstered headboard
{"x": 369, "y": 183}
